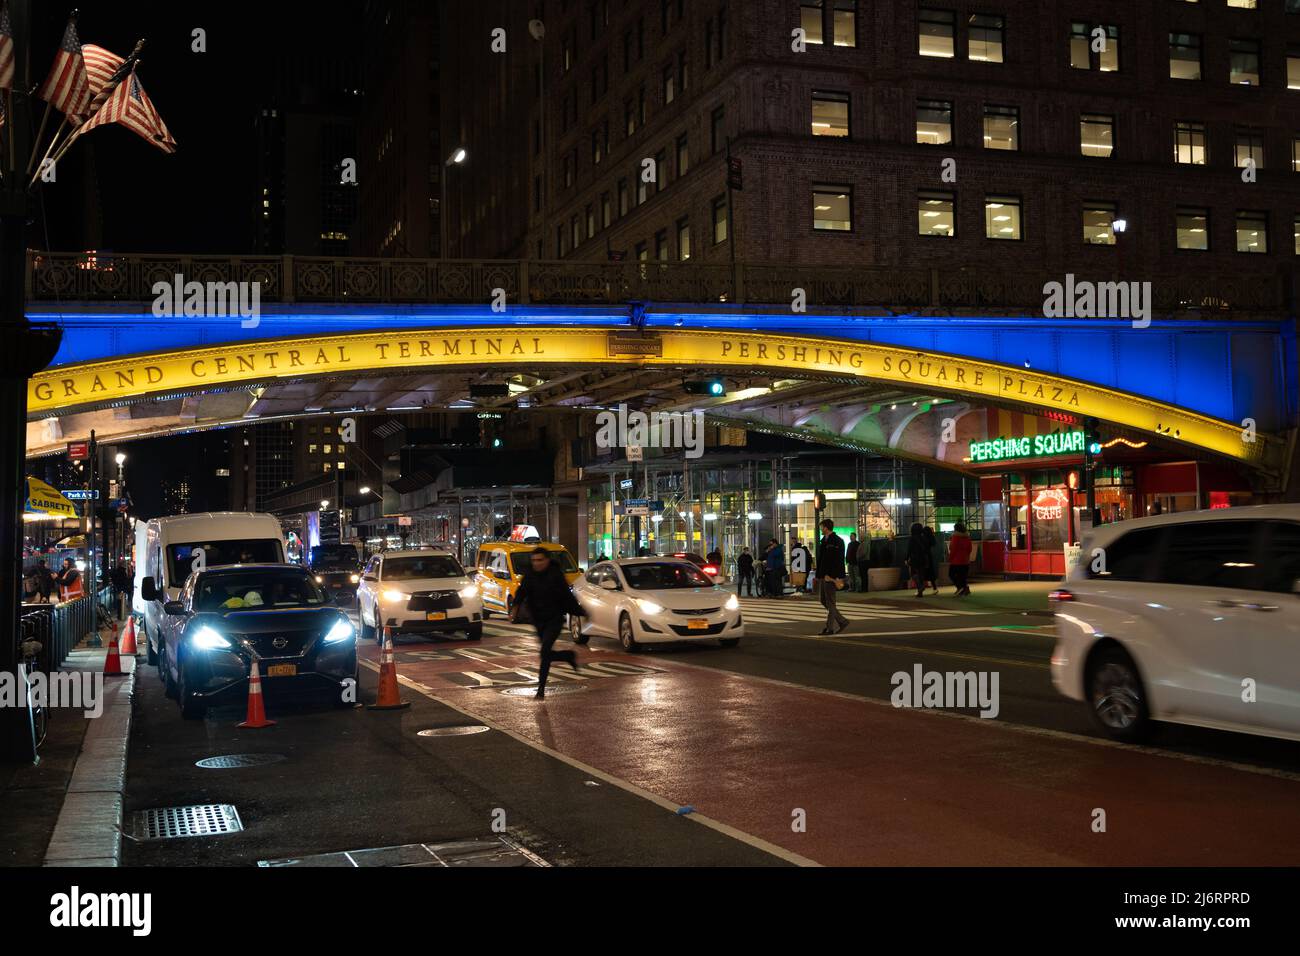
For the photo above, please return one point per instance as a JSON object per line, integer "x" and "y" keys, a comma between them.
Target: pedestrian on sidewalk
{"x": 547, "y": 597}
{"x": 932, "y": 543}
{"x": 959, "y": 548}
{"x": 864, "y": 564}
{"x": 830, "y": 576}
{"x": 851, "y": 560}
{"x": 774, "y": 567}
{"x": 745, "y": 572}
{"x": 918, "y": 558}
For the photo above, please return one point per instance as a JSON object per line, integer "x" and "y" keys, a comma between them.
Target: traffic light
{"x": 735, "y": 175}
{"x": 715, "y": 388}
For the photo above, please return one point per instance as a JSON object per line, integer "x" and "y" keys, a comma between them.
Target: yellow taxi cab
{"x": 500, "y": 567}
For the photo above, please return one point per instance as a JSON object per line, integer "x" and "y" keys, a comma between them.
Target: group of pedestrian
{"x": 921, "y": 568}
{"x": 40, "y": 584}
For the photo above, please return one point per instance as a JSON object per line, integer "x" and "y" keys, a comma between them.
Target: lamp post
{"x": 456, "y": 158}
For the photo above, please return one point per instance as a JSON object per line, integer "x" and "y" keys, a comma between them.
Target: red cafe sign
{"x": 1050, "y": 504}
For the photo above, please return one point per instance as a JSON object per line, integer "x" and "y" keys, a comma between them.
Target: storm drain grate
{"x": 472, "y": 852}
{"x": 551, "y": 691}
{"x": 174, "y": 823}
{"x": 235, "y": 761}
{"x": 463, "y": 731}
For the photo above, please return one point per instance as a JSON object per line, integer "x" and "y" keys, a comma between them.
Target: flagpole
{"x": 57, "y": 133}
{"x": 36, "y": 143}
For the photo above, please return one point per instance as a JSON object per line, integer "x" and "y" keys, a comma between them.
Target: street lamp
{"x": 120, "y": 459}
{"x": 363, "y": 490}
{"x": 324, "y": 504}
{"x": 456, "y": 158}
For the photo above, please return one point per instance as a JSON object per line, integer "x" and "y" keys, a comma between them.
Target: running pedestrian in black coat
{"x": 546, "y": 594}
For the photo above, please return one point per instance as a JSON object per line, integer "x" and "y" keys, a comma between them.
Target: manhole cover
{"x": 233, "y": 761}
{"x": 173, "y": 823}
{"x": 550, "y": 691}
{"x": 453, "y": 731}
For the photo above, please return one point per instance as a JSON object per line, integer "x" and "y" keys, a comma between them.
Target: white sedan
{"x": 654, "y": 601}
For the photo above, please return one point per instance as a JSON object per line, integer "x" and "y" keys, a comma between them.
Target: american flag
{"x": 142, "y": 118}
{"x": 100, "y": 66}
{"x": 6, "y": 48}
{"x": 67, "y": 88}
{"x": 129, "y": 105}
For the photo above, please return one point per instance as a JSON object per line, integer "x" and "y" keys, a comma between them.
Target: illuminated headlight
{"x": 340, "y": 632}
{"x": 650, "y": 607}
{"x": 319, "y": 579}
{"x": 469, "y": 592}
{"x": 206, "y": 639}
{"x": 355, "y": 579}
{"x": 396, "y": 596}
{"x": 733, "y": 602}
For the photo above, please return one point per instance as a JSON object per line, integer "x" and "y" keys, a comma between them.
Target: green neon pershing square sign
{"x": 1031, "y": 446}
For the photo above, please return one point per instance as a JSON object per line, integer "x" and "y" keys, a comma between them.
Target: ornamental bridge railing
{"x": 92, "y": 277}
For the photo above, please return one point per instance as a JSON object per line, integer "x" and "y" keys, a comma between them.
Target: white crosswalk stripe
{"x": 796, "y": 610}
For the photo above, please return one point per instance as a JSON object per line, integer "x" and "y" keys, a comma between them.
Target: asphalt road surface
{"x": 784, "y": 750}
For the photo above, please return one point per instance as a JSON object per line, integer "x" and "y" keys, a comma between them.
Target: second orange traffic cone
{"x": 128, "y": 638}
{"x": 388, "y": 697}
{"x": 113, "y": 662}
{"x": 256, "y": 718}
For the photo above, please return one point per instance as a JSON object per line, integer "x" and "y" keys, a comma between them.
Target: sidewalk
{"x": 987, "y": 594}
{"x": 66, "y": 810}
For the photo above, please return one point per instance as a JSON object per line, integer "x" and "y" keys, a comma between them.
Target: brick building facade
{"x": 1061, "y": 118}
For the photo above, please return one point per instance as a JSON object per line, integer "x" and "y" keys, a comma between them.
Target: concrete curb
{"x": 87, "y": 832}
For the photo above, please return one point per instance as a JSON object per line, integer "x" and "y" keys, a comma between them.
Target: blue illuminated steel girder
{"x": 1230, "y": 370}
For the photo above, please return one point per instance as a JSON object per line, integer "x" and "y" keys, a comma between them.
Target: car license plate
{"x": 698, "y": 624}
{"x": 282, "y": 670}
{"x": 436, "y": 616}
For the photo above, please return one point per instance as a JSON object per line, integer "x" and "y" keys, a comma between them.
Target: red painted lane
{"x": 879, "y": 785}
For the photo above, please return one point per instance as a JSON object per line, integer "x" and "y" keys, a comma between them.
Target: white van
{"x": 174, "y": 546}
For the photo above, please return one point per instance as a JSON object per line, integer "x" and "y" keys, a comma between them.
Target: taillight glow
{"x": 1060, "y": 595}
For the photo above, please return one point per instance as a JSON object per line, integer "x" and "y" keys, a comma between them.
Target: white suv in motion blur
{"x": 1189, "y": 618}
{"x": 418, "y": 592}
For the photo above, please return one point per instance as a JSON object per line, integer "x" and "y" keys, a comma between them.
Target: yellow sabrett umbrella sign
{"x": 45, "y": 501}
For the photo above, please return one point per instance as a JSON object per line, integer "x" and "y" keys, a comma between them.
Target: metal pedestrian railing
{"x": 58, "y": 628}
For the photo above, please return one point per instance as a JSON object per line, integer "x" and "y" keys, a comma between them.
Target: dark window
{"x": 1281, "y": 564}
{"x": 1132, "y": 557}
{"x": 1216, "y": 554}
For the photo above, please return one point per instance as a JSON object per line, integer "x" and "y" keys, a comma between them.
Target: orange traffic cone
{"x": 128, "y": 638}
{"x": 388, "y": 697}
{"x": 113, "y": 663}
{"x": 256, "y": 718}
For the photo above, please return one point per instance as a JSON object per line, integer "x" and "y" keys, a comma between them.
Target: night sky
{"x": 200, "y": 199}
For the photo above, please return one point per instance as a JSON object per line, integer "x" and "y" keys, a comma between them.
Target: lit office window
{"x": 1093, "y": 50}
{"x": 1099, "y": 223}
{"x": 1295, "y": 154}
{"x": 1243, "y": 60}
{"x": 985, "y": 38}
{"x": 1184, "y": 56}
{"x": 1244, "y": 4}
{"x": 1001, "y": 127}
{"x": 1189, "y": 144}
{"x": 661, "y": 245}
{"x": 683, "y": 239}
{"x": 830, "y": 114}
{"x": 1252, "y": 232}
{"x": 669, "y": 84}
{"x": 937, "y": 33}
{"x": 719, "y": 220}
{"x": 1293, "y": 67}
{"x": 1249, "y": 146}
{"x": 683, "y": 155}
{"x": 933, "y": 122}
{"x": 1193, "y": 228}
{"x": 934, "y": 214}
{"x": 810, "y": 18}
{"x": 832, "y": 208}
{"x": 1096, "y": 134}
{"x": 845, "y": 13}
{"x": 606, "y": 211}
{"x": 1295, "y": 229}
{"x": 1002, "y": 217}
